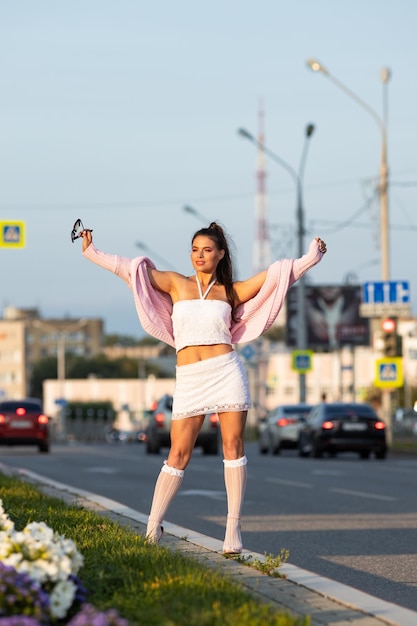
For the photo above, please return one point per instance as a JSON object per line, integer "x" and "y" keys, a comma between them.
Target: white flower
{"x": 62, "y": 598}
{"x": 6, "y": 523}
{"x": 39, "y": 531}
{"x": 5, "y": 545}
{"x": 45, "y": 556}
{"x": 13, "y": 560}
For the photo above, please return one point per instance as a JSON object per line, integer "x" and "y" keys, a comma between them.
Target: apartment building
{"x": 26, "y": 337}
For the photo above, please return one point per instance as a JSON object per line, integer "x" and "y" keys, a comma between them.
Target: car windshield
{"x": 349, "y": 413}
{"x": 12, "y": 406}
{"x": 297, "y": 411}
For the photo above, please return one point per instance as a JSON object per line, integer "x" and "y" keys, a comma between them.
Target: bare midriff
{"x": 193, "y": 354}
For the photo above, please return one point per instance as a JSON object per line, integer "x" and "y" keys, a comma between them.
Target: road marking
{"x": 102, "y": 470}
{"x": 206, "y": 493}
{"x": 362, "y": 494}
{"x": 289, "y": 483}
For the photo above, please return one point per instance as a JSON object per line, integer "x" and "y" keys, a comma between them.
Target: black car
{"x": 343, "y": 427}
{"x": 23, "y": 423}
{"x": 159, "y": 426}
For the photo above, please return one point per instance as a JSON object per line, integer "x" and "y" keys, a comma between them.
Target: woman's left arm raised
{"x": 247, "y": 289}
{"x": 315, "y": 254}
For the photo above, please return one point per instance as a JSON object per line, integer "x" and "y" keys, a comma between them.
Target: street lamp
{"x": 61, "y": 333}
{"x": 297, "y": 177}
{"x": 153, "y": 254}
{"x": 197, "y": 214}
{"x": 385, "y": 76}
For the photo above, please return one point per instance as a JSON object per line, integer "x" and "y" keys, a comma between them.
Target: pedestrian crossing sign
{"x": 12, "y": 234}
{"x": 302, "y": 361}
{"x": 389, "y": 373}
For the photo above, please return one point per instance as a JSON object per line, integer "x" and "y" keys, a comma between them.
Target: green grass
{"x": 404, "y": 445}
{"x": 148, "y": 584}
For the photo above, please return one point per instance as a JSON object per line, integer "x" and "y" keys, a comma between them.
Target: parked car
{"x": 343, "y": 427}
{"x": 281, "y": 427}
{"x": 114, "y": 435}
{"x": 22, "y": 422}
{"x": 157, "y": 432}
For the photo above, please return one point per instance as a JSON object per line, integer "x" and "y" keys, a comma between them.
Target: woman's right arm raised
{"x": 162, "y": 281}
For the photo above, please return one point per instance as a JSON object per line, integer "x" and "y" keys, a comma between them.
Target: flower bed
{"x": 39, "y": 582}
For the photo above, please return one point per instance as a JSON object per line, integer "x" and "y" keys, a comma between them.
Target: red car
{"x": 23, "y": 423}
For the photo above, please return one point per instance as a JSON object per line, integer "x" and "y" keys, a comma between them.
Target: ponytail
{"x": 224, "y": 272}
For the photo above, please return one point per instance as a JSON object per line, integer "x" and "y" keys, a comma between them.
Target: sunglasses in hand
{"x": 77, "y": 229}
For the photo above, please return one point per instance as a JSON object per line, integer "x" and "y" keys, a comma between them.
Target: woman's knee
{"x": 233, "y": 448}
{"x": 179, "y": 458}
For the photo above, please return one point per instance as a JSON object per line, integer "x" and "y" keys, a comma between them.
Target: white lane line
{"x": 362, "y": 494}
{"x": 289, "y": 483}
{"x": 205, "y": 493}
{"x": 102, "y": 470}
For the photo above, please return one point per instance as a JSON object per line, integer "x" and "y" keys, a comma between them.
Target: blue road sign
{"x": 248, "y": 352}
{"x": 386, "y": 292}
{"x": 61, "y": 402}
{"x": 302, "y": 360}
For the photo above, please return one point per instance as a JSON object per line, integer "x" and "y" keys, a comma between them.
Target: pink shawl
{"x": 154, "y": 308}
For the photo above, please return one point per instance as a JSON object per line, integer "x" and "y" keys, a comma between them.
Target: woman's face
{"x": 205, "y": 255}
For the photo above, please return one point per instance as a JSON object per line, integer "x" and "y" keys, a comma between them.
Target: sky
{"x": 122, "y": 113}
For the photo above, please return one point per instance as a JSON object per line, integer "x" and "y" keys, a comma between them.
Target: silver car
{"x": 158, "y": 430}
{"x": 281, "y": 427}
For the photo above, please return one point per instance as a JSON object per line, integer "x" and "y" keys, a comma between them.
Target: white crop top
{"x": 201, "y": 322}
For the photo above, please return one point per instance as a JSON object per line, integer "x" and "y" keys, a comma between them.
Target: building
{"x": 25, "y": 338}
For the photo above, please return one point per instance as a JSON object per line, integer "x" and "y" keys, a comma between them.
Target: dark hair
{"x": 224, "y": 272}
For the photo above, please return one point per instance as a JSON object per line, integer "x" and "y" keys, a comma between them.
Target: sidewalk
{"x": 302, "y": 592}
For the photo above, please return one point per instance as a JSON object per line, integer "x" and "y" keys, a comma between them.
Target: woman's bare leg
{"x": 235, "y": 474}
{"x": 183, "y": 437}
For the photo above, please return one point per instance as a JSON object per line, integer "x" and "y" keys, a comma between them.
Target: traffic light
{"x": 391, "y": 339}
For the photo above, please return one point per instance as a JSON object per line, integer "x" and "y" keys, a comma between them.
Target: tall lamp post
{"x": 385, "y": 75}
{"x": 297, "y": 177}
{"x": 61, "y": 333}
{"x": 382, "y": 122}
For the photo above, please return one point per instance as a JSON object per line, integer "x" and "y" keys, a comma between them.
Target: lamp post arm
{"x": 160, "y": 259}
{"x": 383, "y": 176}
{"x": 357, "y": 99}
{"x": 291, "y": 171}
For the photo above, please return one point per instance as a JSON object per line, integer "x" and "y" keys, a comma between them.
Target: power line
{"x": 145, "y": 204}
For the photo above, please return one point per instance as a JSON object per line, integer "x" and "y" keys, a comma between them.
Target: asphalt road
{"x": 350, "y": 520}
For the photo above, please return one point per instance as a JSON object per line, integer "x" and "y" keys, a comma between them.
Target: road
{"x": 347, "y": 519}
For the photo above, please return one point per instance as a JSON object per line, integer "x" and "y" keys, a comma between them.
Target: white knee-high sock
{"x": 235, "y": 474}
{"x": 167, "y": 485}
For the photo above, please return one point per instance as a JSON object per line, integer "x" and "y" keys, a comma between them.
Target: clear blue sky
{"x": 122, "y": 112}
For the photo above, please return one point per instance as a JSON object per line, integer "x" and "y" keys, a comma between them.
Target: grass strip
{"x": 148, "y": 584}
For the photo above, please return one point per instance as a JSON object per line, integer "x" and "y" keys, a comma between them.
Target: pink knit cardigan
{"x": 154, "y": 307}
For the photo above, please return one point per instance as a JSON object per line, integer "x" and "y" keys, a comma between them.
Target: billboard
{"x": 332, "y": 317}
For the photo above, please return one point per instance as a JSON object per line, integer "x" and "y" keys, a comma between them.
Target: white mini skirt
{"x": 215, "y": 385}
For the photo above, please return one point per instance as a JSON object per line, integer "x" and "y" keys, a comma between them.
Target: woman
{"x": 203, "y": 316}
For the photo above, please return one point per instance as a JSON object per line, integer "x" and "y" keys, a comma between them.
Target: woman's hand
{"x": 322, "y": 246}
{"x": 87, "y": 238}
